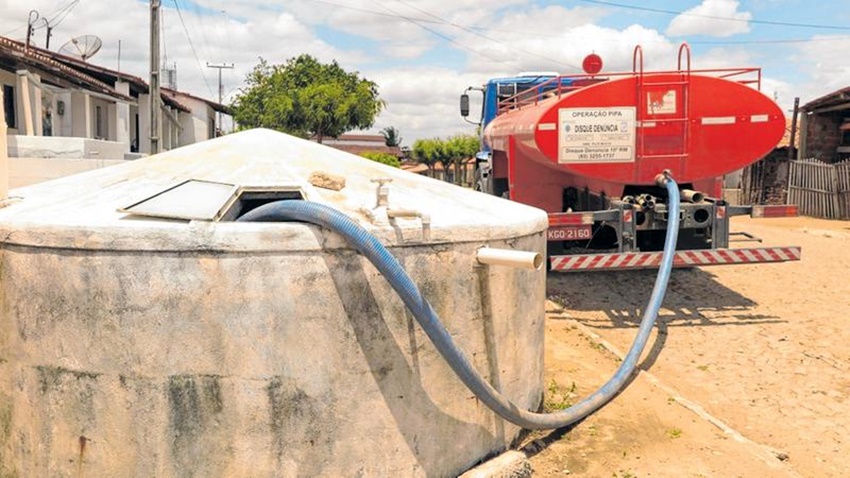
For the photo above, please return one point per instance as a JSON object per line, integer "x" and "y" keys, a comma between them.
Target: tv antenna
{"x": 82, "y": 47}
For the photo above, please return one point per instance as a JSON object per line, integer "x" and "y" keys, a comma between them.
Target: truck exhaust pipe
{"x": 691, "y": 196}
{"x": 646, "y": 202}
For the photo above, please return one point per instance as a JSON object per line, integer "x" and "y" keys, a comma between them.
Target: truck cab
{"x": 498, "y": 94}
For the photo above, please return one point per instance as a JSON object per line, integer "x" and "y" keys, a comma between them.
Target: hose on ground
{"x": 360, "y": 239}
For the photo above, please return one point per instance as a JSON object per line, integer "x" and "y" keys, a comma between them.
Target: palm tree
{"x": 391, "y": 136}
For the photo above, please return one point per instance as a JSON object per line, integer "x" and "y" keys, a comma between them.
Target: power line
{"x": 558, "y": 35}
{"x": 769, "y": 41}
{"x": 374, "y": 12}
{"x": 200, "y": 20}
{"x": 45, "y": 21}
{"x": 192, "y": 45}
{"x": 470, "y": 30}
{"x": 55, "y": 20}
{"x": 443, "y": 36}
{"x": 61, "y": 9}
{"x": 58, "y": 16}
{"x": 716, "y": 17}
{"x": 18, "y": 28}
{"x": 414, "y": 19}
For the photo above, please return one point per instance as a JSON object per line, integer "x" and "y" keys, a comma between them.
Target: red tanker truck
{"x": 587, "y": 149}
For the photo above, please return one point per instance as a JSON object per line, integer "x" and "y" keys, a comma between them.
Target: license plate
{"x": 569, "y": 233}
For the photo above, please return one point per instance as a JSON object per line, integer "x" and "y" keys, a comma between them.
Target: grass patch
{"x": 623, "y": 474}
{"x": 558, "y": 397}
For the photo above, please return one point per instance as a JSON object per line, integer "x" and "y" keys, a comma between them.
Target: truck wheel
{"x": 500, "y": 188}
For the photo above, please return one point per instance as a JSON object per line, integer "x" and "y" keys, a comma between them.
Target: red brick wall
{"x": 823, "y": 136}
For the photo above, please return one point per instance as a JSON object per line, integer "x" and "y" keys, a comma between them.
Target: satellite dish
{"x": 82, "y": 47}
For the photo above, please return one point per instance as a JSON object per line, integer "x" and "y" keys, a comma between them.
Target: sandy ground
{"x": 745, "y": 375}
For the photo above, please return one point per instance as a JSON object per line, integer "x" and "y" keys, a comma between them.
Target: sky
{"x": 424, "y": 53}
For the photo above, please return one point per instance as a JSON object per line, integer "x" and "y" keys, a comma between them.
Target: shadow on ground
{"x": 616, "y": 300}
{"x": 693, "y": 298}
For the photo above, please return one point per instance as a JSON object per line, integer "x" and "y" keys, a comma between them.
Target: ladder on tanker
{"x": 663, "y": 104}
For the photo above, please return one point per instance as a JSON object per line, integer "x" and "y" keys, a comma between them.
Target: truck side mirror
{"x": 464, "y": 105}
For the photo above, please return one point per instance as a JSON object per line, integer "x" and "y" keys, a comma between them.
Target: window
{"x": 9, "y": 106}
{"x": 98, "y": 122}
{"x": 134, "y": 144}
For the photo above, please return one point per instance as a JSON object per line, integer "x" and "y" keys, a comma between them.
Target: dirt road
{"x": 746, "y": 373}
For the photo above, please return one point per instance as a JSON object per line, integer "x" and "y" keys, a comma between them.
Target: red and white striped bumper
{"x": 651, "y": 260}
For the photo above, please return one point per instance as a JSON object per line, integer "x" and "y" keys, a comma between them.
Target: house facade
{"x": 825, "y": 127}
{"x": 199, "y": 122}
{"x": 60, "y": 107}
{"x": 361, "y": 143}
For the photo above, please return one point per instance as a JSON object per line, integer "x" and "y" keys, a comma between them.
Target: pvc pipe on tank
{"x": 510, "y": 258}
{"x": 393, "y": 213}
{"x": 423, "y": 216}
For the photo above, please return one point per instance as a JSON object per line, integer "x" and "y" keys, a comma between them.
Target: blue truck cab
{"x": 495, "y": 92}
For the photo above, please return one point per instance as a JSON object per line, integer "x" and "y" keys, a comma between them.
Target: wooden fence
{"x": 820, "y": 189}
{"x": 752, "y": 184}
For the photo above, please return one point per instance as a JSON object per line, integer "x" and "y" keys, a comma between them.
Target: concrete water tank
{"x": 167, "y": 340}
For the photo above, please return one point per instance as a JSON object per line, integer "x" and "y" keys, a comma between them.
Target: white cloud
{"x": 780, "y": 91}
{"x": 402, "y": 29}
{"x": 722, "y": 58}
{"x": 507, "y": 37}
{"x": 825, "y": 59}
{"x": 423, "y": 100}
{"x": 565, "y": 51}
{"x": 252, "y": 30}
{"x": 708, "y": 17}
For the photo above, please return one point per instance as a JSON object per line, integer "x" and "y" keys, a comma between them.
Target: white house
{"x": 200, "y": 123}
{"x": 59, "y": 107}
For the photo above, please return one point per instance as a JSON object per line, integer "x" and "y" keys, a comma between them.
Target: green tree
{"x": 383, "y": 158}
{"x": 452, "y": 152}
{"x": 459, "y": 149}
{"x": 391, "y": 136}
{"x": 430, "y": 152}
{"x": 304, "y": 97}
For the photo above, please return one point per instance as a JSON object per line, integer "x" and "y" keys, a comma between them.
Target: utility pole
{"x": 154, "y": 89}
{"x": 792, "y": 143}
{"x": 784, "y": 171}
{"x": 220, "y": 66}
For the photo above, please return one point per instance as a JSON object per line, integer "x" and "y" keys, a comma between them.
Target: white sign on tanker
{"x": 596, "y": 135}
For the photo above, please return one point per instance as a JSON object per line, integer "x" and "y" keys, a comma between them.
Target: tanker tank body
{"x": 595, "y": 143}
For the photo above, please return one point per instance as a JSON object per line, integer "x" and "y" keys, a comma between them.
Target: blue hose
{"x": 386, "y": 263}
